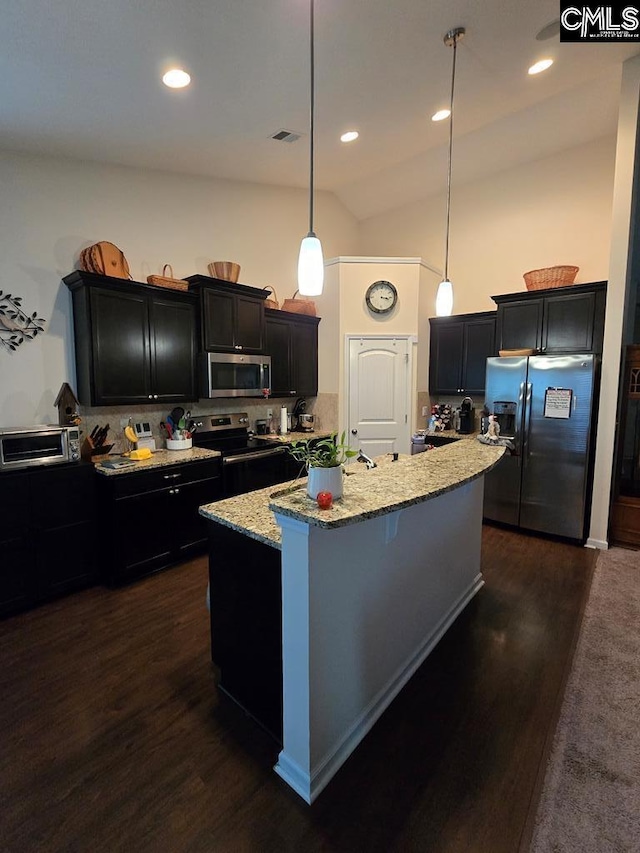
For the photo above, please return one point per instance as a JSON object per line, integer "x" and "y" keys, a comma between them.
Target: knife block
{"x": 90, "y": 453}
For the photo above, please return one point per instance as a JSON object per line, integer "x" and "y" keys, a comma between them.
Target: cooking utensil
{"x": 176, "y": 414}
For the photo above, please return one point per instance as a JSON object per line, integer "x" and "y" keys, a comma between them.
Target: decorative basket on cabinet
{"x": 300, "y": 305}
{"x": 559, "y": 276}
{"x": 168, "y": 280}
{"x": 272, "y": 299}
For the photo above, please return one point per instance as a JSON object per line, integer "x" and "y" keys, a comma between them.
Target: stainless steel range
{"x": 247, "y": 463}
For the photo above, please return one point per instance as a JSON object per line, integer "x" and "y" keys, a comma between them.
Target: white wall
{"x": 52, "y": 208}
{"x": 343, "y": 309}
{"x": 619, "y": 276}
{"x": 556, "y": 210}
{"x": 553, "y": 211}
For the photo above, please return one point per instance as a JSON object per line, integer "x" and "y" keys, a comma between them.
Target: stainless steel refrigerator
{"x": 545, "y": 405}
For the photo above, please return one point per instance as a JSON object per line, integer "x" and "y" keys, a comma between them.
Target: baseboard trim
{"x": 601, "y": 544}
{"x": 309, "y": 785}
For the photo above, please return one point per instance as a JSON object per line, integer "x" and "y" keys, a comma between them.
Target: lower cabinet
{"x": 246, "y": 623}
{"x": 47, "y": 534}
{"x": 154, "y": 520}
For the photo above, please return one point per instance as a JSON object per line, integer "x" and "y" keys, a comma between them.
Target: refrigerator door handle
{"x": 527, "y": 424}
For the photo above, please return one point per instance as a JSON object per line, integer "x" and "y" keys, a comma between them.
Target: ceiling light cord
{"x": 444, "y": 295}
{"x": 312, "y": 121}
{"x": 310, "y": 259}
{"x": 448, "y": 219}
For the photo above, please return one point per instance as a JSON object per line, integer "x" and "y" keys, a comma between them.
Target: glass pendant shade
{"x": 444, "y": 299}
{"x": 310, "y": 266}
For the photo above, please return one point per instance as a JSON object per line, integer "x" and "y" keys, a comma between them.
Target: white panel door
{"x": 379, "y": 375}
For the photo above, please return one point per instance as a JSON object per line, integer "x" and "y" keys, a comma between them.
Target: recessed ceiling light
{"x": 541, "y": 66}
{"x": 176, "y": 78}
{"x": 349, "y": 136}
{"x": 440, "y": 115}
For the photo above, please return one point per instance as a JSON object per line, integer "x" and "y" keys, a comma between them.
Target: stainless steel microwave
{"x": 234, "y": 375}
{"x": 26, "y": 447}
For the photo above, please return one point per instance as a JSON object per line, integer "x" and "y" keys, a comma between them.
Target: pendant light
{"x": 310, "y": 259}
{"x": 444, "y": 296}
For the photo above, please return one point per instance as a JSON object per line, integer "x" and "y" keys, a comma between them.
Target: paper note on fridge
{"x": 557, "y": 402}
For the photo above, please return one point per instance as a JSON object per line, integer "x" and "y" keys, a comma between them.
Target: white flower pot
{"x": 325, "y": 480}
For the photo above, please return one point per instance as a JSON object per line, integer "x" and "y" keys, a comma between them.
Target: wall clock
{"x": 381, "y": 297}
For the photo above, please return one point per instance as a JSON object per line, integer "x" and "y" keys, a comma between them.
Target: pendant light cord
{"x": 312, "y": 116}
{"x": 453, "y": 81}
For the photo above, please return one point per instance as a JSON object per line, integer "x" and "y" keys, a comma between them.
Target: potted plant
{"x": 323, "y": 460}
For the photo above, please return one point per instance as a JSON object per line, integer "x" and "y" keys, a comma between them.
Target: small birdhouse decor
{"x": 67, "y": 404}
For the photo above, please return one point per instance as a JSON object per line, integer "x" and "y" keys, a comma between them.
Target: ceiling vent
{"x": 286, "y": 136}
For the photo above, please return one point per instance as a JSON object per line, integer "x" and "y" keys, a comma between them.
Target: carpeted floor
{"x": 591, "y": 795}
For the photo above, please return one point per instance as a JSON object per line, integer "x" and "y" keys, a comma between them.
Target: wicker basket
{"x": 300, "y": 305}
{"x": 269, "y": 302}
{"x": 168, "y": 281}
{"x": 559, "y": 276}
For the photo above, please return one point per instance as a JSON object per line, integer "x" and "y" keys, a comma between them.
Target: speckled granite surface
{"x": 160, "y": 459}
{"x": 294, "y": 436}
{"x": 367, "y": 493}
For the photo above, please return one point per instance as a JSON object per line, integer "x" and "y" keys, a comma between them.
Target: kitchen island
{"x": 319, "y": 617}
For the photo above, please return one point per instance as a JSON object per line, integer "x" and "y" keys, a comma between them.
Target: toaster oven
{"x": 26, "y": 447}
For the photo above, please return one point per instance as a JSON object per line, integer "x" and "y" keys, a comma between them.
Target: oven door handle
{"x": 258, "y": 454}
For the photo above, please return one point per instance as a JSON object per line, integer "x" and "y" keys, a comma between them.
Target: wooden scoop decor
{"x": 105, "y": 258}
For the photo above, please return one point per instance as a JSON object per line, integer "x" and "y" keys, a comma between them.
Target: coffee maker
{"x": 301, "y": 421}
{"x": 467, "y": 417}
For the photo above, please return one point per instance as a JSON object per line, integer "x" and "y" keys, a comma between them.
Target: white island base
{"x": 362, "y": 607}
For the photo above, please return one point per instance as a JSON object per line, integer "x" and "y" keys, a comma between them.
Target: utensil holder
{"x": 179, "y": 443}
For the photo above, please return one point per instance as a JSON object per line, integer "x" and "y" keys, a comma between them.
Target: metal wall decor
{"x": 16, "y": 326}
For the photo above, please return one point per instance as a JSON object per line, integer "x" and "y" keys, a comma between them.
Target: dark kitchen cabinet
{"x": 246, "y": 623}
{"x": 135, "y": 343}
{"x": 459, "y": 348}
{"x": 292, "y": 343}
{"x": 558, "y": 320}
{"x": 231, "y": 315}
{"x": 154, "y": 516}
{"x": 47, "y": 534}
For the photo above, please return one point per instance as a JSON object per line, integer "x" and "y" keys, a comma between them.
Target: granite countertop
{"x": 367, "y": 492}
{"x": 288, "y": 437}
{"x": 159, "y": 459}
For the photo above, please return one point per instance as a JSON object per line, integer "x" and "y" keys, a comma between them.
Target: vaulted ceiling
{"x": 81, "y": 78}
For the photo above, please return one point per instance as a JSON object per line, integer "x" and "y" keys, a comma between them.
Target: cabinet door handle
{"x": 171, "y": 476}
{"x": 155, "y": 396}
{"x": 293, "y": 393}
{"x": 151, "y": 396}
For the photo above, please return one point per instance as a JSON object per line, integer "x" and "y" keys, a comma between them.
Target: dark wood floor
{"x": 113, "y": 736}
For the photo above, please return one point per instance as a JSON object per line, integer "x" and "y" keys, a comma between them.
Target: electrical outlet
{"x": 269, "y": 413}
{"x": 425, "y": 411}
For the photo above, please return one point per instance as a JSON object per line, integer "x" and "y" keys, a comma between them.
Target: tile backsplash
{"x": 325, "y": 411}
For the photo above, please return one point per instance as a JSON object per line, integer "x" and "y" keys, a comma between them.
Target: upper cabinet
{"x": 459, "y": 348}
{"x": 292, "y": 343}
{"x": 135, "y": 343}
{"x": 231, "y": 315}
{"x": 559, "y": 320}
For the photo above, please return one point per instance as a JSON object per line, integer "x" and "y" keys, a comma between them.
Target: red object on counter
{"x": 324, "y": 499}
